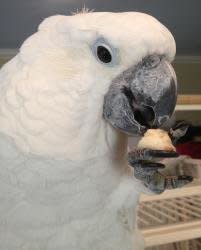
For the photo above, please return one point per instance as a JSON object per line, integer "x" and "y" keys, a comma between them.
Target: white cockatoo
{"x": 65, "y": 99}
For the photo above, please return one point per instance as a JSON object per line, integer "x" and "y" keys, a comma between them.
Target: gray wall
{"x": 20, "y": 18}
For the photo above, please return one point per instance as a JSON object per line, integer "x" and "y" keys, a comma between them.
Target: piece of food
{"x": 156, "y": 139}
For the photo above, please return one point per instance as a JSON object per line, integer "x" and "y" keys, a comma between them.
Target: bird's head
{"x": 115, "y": 66}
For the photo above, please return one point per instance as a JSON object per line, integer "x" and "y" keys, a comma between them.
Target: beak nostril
{"x": 144, "y": 116}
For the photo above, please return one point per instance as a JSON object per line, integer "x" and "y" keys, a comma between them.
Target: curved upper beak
{"x": 142, "y": 97}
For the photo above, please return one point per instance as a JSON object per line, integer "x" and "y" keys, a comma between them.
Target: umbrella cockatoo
{"x": 66, "y": 100}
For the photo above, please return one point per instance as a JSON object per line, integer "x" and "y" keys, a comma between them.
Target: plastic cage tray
{"x": 171, "y": 217}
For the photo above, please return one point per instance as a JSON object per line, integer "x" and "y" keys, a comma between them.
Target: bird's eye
{"x": 104, "y": 54}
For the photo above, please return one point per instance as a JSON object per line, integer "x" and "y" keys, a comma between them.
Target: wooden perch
{"x": 189, "y": 99}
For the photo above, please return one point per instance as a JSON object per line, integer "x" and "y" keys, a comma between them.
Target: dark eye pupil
{"x": 104, "y": 54}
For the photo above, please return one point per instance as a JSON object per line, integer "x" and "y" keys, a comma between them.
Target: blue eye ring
{"x": 104, "y": 52}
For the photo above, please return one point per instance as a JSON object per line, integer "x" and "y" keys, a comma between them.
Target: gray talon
{"x": 147, "y": 170}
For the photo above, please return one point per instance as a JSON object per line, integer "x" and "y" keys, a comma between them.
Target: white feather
{"x": 64, "y": 181}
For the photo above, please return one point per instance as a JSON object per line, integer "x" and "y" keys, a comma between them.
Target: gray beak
{"x": 142, "y": 97}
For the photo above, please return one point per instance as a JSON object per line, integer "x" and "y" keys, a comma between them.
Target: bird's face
{"x": 123, "y": 61}
{"x": 80, "y": 74}
{"x": 129, "y": 59}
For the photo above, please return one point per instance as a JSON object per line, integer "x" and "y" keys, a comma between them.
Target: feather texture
{"x": 60, "y": 204}
{"x": 64, "y": 180}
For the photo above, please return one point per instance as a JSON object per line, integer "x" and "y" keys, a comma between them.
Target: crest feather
{"x": 84, "y": 10}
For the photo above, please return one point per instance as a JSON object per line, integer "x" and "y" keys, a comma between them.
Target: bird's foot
{"x": 147, "y": 170}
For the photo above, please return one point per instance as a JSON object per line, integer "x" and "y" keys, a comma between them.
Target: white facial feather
{"x": 52, "y": 92}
